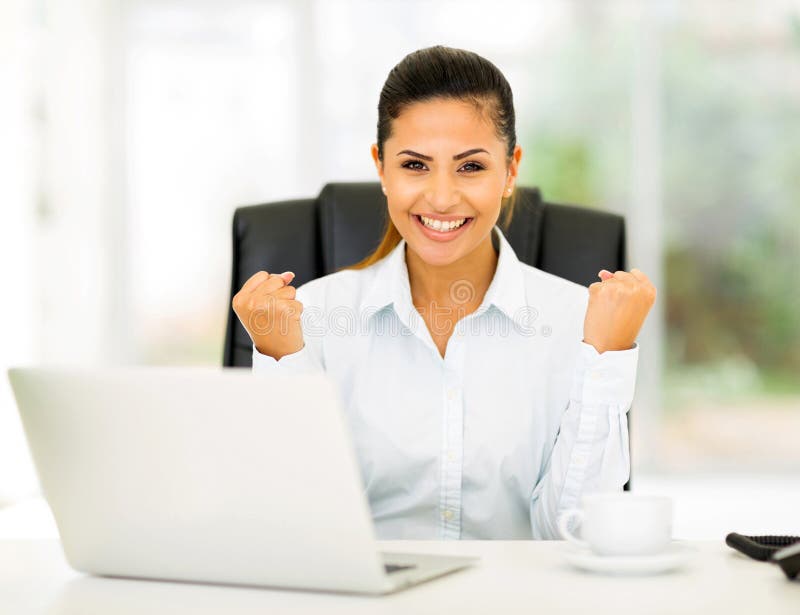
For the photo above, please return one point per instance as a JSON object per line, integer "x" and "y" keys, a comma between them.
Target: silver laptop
{"x": 207, "y": 475}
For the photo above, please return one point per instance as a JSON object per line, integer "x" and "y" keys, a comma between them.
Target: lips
{"x": 443, "y": 236}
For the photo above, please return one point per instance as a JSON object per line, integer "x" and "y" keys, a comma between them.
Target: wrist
{"x": 602, "y": 347}
{"x": 278, "y": 353}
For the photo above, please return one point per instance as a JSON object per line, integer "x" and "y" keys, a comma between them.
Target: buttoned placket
{"x": 452, "y": 447}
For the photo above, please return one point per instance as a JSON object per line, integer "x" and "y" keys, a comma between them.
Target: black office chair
{"x": 345, "y": 223}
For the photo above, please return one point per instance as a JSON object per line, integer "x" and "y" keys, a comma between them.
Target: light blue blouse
{"x": 516, "y": 422}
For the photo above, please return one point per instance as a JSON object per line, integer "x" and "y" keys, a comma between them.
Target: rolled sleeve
{"x": 304, "y": 361}
{"x": 591, "y": 452}
{"x": 605, "y": 378}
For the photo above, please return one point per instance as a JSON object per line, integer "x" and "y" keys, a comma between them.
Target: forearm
{"x": 591, "y": 450}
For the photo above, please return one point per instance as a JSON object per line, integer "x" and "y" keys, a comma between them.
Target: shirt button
{"x": 451, "y": 394}
{"x": 448, "y": 514}
{"x": 451, "y": 456}
{"x": 597, "y": 375}
{"x": 581, "y": 459}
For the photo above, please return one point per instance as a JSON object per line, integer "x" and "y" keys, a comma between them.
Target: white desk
{"x": 513, "y": 577}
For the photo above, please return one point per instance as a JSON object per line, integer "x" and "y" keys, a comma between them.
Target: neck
{"x": 463, "y": 282}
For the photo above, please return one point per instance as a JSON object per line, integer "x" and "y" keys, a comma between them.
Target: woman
{"x": 484, "y": 396}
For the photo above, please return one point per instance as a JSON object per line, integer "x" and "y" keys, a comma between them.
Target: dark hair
{"x": 444, "y": 73}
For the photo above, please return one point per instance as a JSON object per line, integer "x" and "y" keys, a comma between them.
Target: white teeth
{"x": 438, "y": 225}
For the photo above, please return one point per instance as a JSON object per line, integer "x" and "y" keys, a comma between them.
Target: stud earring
{"x": 384, "y": 189}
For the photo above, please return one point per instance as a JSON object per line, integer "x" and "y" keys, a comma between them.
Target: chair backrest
{"x": 345, "y": 223}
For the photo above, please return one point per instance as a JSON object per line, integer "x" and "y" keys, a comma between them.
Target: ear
{"x": 376, "y": 160}
{"x": 513, "y": 167}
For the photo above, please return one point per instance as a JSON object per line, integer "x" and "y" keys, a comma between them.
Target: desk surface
{"x": 512, "y": 577}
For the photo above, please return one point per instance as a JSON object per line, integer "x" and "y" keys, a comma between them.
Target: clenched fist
{"x": 267, "y": 308}
{"x": 617, "y": 308}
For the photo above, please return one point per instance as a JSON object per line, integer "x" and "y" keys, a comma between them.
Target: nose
{"x": 441, "y": 192}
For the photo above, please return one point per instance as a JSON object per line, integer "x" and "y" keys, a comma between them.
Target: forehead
{"x": 447, "y": 121}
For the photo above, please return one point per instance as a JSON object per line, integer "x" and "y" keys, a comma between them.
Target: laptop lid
{"x": 200, "y": 474}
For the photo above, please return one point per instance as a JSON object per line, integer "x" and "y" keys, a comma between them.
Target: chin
{"x": 437, "y": 255}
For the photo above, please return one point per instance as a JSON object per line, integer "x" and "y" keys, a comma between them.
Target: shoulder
{"x": 559, "y": 306}
{"x": 540, "y": 285}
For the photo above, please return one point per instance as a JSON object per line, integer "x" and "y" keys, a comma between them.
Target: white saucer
{"x": 674, "y": 556}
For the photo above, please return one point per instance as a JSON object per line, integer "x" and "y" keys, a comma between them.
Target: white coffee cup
{"x": 620, "y": 523}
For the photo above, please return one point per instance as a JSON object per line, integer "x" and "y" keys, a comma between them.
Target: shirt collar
{"x": 390, "y": 281}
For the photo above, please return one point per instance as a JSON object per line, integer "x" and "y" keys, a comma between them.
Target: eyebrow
{"x": 469, "y": 152}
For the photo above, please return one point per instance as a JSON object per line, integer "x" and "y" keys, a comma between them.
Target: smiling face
{"x": 444, "y": 165}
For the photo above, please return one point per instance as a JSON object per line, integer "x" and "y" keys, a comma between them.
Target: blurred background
{"x": 130, "y": 130}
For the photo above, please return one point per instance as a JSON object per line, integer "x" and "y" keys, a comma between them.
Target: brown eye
{"x": 407, "y": 165}
{"x": 475, "y": 165}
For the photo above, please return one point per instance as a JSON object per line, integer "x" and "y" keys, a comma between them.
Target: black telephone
{"x": 781, "y": 550}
